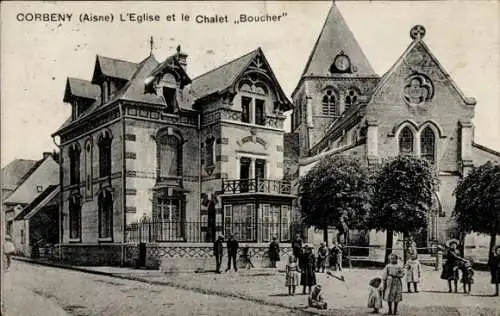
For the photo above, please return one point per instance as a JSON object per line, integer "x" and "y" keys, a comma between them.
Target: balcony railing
{"x": 256, "y": 186}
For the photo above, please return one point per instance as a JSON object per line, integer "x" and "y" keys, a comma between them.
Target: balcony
{"x": 256, "y": 186}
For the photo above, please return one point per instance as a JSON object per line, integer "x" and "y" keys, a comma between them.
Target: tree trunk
{"x": 405, "y": 247}
{"x": 388, "y": 245}
{"x": 493, "y": 240}
{"x": 325, "y": 236}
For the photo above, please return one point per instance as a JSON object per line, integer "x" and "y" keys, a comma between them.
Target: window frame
{"x": 75, "y": 214}
{"x": 105, "y": 155}
{"x": 410, "y": 137}
{"x": 162, "y": 141}
{"x": 422, "y": 138}
{"x": 105, "y": 211}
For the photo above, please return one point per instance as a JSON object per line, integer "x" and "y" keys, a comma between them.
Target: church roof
{"x": 334, "y": 38}
{"x": 112, "y": 67}
{"x": 81, "y": 88}
{"x": 222, "y": 77}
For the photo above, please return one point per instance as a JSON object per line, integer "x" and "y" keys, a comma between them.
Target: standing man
{"x": 274, "y": 252}
{"x": 218, "y": 252}
{"x": 297, "y": 247}
{"x": 232, "y": 252}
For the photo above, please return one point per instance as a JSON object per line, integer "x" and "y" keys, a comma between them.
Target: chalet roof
{"x": 335, "y": 37}
{"x": 220, "y": 78}
{"x": 14, "y": 173}
{"x": 40, "y": 201}
{"x": 114, "y": 68}
{"x": 81, "y": 88}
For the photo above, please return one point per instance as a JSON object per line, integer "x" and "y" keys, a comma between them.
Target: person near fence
{"x": 467, "y": 276}
{"x": 8, "y": 251}
{"x": 218, "y": 252}
{"x": 292, "y": 275}
{"x": 494, "y": 265}
{"x": 297, "y": 247}
{"x": 375, "y": 295}
{"x": 450, "y": 267}
{"x": 232, "y": 252}
{"x": 246, "y": 257}
{"x": 308, "y": 276}
{"x": 413, "y": 273}
{"x": 393, "y": 286}
{"x": 411, "y": 249}
{"x": 336, "y": 255}
{"x": 322, "y": 254}
{"x": 274, "y": 252}
{"x": 316, "y": 298}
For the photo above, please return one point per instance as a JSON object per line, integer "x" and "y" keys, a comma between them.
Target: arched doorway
{"x": 427, "y": 236}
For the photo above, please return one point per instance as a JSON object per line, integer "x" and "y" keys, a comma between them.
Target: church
{"x": 341, "y": 106}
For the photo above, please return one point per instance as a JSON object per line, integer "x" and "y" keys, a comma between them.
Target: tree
{"x": 403, "y": 191}
{"x": 335, "y": 192}
{"x": 477, "y": 206}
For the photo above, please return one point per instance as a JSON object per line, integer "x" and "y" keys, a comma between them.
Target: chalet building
{"x": 152, "y": 155}
{"x": 38, "y": 184}
{"x": 342, "y": 106}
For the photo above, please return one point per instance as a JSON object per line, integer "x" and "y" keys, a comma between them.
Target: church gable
{"x": 417, "y": 85}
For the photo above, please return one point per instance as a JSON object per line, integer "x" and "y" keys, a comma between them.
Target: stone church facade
{"x": 151, "y": 155}
{"x": 342, "y": 106}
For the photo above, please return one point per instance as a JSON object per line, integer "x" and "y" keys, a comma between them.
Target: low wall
{"x": 172, "y": 257}
{"x": 94, "y": 254}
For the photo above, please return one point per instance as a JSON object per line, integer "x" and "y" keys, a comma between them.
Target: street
{"x": 32, "y": 290}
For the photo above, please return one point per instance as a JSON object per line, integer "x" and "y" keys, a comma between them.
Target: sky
{"x": 38, "y": 56}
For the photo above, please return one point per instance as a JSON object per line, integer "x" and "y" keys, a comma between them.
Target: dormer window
{"x": 167, "y": 88}
{"x": 74, "y": 110}
{"x": 253, "y": 103}
{"x": 105, "y": 91}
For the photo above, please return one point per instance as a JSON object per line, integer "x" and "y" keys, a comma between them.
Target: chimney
{"x": 46, "y": 154}
{"x": 181, "y": 58}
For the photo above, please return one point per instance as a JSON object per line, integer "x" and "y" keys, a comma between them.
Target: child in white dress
{"x": 292, "y": 275}
{"x": 413, "y": 273}
{"x": 375, "y": 296}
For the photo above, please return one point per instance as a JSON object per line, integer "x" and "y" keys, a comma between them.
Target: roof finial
{"x": 151, "y": 44}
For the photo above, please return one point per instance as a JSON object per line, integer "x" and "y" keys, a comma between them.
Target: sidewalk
{"x": 266, "y": 286}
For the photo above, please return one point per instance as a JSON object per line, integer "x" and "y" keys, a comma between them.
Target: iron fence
{"x": 196, "y": 232}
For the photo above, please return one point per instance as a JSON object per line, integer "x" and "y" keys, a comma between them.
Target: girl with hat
{"x": 393, "y": 286}
{"x": 450, "y": 267}
{"x": 495, "y": 268}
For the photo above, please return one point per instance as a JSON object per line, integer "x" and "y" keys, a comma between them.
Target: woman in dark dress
{"x": 308, "y": 277}
{"x": 274, "y": 252}
{"x": 495, "y": 268}
{"x": 450, "y": 267}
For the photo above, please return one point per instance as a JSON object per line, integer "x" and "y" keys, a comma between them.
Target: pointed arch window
{"x": 75, "y": 217}
{"x": 351, "y": 98}
{"x": 74, "y": 164}
{"x": 406, "y": 141}
{"x": 105, "y": 205}
{"x": 170, "y": 156}
{"x": 330, "y": 107}
{"x": 88, "y": 169}
{"x": 427, "y": 144}
{"x": 105, "y": 155}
